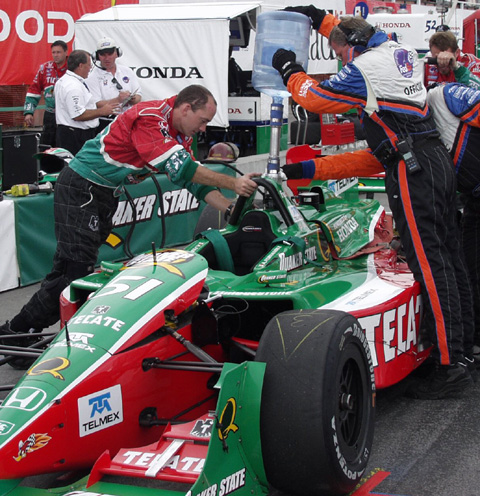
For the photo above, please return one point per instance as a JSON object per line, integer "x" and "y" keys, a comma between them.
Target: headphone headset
{"x": 95, "y": 56}
{"x": 358, "y": 38}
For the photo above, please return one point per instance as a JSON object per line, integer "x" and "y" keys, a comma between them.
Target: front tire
{"x": 318, "y": 401}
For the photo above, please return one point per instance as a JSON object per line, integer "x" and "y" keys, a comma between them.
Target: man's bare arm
{"x": 242, "y": 185}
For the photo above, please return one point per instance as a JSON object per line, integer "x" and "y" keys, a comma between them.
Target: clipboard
{"x": 125, "y": 102}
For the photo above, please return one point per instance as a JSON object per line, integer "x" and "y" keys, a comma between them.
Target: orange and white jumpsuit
{"x": 385, "y": 84}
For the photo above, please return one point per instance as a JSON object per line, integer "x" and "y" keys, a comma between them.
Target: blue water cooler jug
{"x": 278, "y": 29}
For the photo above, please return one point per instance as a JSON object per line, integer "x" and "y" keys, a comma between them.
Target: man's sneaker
{"x": 472, "y": 367}
{"x": 6, "y": 330}
{"x": 445, "y": 381}
{"x": 18, "y": 362}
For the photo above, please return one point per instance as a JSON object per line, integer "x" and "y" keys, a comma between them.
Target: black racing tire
{"x": 318, "y": 402}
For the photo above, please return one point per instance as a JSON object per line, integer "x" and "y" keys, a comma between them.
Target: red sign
{"x": 27, "y": 29}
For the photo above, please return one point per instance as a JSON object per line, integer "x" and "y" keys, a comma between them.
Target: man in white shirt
{"x": 112, "y": 82}
{"x": 76, "y": 112}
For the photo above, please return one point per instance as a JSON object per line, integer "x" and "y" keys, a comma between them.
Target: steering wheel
{"x": 244, "y": 203}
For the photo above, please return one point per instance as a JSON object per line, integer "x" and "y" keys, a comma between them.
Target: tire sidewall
{"x": 303, "y": 452}
{"x": 352, "y": 345}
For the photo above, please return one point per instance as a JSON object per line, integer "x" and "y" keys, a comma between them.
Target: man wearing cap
{"x": 48, "y": 74}
{"x": 419, "y": 176}
{"x": 112, "y": 82}
{"x": 76, "y": 112}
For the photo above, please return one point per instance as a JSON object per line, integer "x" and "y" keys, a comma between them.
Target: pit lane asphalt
{"x": 428, "y": 448}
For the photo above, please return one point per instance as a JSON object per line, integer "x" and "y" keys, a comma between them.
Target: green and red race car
{"x": 245, "y": 361}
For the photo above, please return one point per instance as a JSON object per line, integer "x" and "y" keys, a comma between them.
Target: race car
{"x": 245, "y": 361}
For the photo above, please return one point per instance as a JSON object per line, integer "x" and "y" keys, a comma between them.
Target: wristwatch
{"x": 228, "y": 211}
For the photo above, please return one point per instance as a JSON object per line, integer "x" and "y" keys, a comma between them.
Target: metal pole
{"x": 276, "y": 120}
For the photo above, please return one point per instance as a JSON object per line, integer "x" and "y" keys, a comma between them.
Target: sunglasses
{"x": 117, "y": 84}
{"x": 107, "y": 51}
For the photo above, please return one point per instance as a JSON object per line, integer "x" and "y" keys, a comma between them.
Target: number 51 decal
{"x": 116, "y": 287}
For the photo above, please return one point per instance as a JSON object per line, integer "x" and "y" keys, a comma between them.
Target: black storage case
{"x": 18, "y": 164}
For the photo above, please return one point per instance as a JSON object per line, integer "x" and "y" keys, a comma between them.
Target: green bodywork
{"x": 307, "y": 265}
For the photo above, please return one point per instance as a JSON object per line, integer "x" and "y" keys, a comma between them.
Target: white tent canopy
{"x": 172, "y": 11}
{"x": 169, "y": 46}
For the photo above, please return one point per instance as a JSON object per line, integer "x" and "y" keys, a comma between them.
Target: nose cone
{"x": 32, "y": 430}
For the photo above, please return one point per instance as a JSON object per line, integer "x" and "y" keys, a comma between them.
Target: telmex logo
{"x": 100, "y": 410}
{"x": 99, "y": 404}
{"x": 25, "y": 398}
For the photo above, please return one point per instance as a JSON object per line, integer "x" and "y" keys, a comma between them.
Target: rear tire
{"x": 318, "y": 401}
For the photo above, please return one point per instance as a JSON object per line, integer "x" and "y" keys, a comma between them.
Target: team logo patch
{"x": 5, "y": 427}
{"x": 51, "y": 366}
{"x": 93, "y": 224}
{"x": 168, "y": 259}
{"x": 101, "y": 309}
{"x": 202, "y": 428}
{"x": 32, "y": 443}
{"x": 25, "y": 398}
{"x": 404, "y": 61}
{"x": 227, "y": 419}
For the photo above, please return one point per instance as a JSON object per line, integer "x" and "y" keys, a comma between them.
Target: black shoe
{"x": 445, "y": 381}
{"x": 472, "y": 367}
{"x": 476, "y": 355}
{"x": 17, "y": 362}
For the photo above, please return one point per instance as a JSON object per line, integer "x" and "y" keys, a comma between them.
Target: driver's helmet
{"x": 53, "y": 159}
{"x": 223, "y": 152}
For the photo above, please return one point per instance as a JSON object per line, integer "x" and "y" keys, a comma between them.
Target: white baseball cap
{"x": 106, "y": 44}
